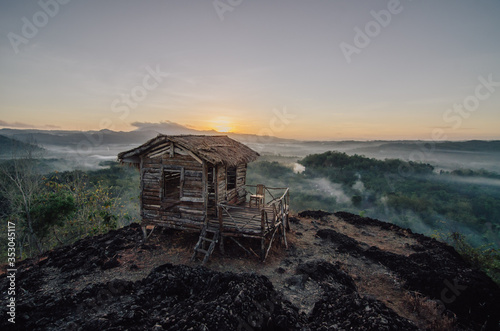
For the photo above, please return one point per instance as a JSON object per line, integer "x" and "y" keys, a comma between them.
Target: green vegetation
{"x": 9, "y": 146}
{"x": 473, "y": 173}
{"x": 61, "y": 207}
{"x": 483, "y": 257}
{"x": 408, "y": 194}
{"x": 409, "y": 188}
{"x": 57, "y": 208}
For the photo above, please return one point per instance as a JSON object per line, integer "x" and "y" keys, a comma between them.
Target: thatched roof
{"x": 214, "y": 149}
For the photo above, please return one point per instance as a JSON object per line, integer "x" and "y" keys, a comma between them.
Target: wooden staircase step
{"x": 198, "y": 248}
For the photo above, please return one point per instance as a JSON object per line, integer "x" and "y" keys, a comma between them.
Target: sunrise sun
{"x": 222, "y": 124}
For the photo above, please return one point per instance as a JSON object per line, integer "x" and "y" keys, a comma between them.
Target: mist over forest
{"x": 433, "y": 188}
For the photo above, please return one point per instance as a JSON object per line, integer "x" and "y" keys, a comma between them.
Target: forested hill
{"x": 434, "y": 196}
{"x": 461, "y": 206}
{"x": 9, "y": 146}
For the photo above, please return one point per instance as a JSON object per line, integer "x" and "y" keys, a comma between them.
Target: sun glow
{"x": 222, "y": 124}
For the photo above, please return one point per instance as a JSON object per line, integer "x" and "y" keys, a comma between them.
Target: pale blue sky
{"x": 262, "y": 58}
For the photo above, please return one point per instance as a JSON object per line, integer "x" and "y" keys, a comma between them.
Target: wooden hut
{"x": 191, "y": 182}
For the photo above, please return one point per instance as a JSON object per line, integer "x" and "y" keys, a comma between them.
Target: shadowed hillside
{"x": 341, "y": 271}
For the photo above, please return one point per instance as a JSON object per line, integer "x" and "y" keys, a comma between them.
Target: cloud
{"x": 16, "y": 125}
{"x": 333, "y": 189}
{"x": 168, "y": 127}
{"x": 161, "y": 124}
{"x": 20, "y": 125}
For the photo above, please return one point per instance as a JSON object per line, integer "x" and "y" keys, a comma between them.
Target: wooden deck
{"x": 244, "y": 221}
{"x": 265, "y": 222}
{"x": 261, "y": 222}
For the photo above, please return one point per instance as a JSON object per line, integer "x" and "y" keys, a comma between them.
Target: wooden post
{"x": 221, "y": 244}
{"x": 262, "y": 233}
{"x": 172, "y": 150}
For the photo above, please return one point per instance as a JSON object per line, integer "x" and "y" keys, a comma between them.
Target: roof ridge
{"x": 214, "y": 149}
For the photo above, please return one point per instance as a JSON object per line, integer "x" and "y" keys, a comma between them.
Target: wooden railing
{"x": 279, "y": 205}
{"x": 268, "y": 191}
{"x": 273, "y": 217}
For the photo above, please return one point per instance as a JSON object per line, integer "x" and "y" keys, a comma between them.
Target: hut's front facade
{"x": 184, "y": 178}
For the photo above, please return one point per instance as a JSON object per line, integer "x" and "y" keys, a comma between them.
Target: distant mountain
{"x": 94, "y": 146}
{"x": 170, "y": 128}
{"x": 102, "y": 138}
{"x": 9, "y": 146}
{"x": 442, "y": 146}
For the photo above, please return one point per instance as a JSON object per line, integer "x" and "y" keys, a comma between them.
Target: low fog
{"x": 65, "y": 151}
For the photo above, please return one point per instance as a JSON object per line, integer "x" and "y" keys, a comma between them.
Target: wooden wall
{"x": 236, "y": 195}
{"x": 241, "y": 174}
{"x": 221, "y": 183}
{"x": 186, "y": 212}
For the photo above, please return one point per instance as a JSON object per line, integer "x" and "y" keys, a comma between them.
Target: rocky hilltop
{"x": 341, "y": 272}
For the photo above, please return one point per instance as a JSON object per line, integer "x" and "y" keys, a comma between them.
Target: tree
{"x": 51, "y": 209}
{"x": 356, "y": 200}
{"x": 20, "y": 184}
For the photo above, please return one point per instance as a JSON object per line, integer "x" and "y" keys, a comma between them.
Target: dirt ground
{"x": 340, "y": 272}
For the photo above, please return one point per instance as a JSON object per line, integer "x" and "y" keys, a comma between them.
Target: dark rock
{"x": 342, "y": 308}
{"x": 316, "y": 214}
{"x": 343, "y": 243}
{"x": 111, "y": 263}
{"x": 298, "y": 281}
{"x": 323, "y": 271}
{"x": 177, "y": 297}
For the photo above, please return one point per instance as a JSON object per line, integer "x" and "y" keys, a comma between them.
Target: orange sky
{"x": 306, "y": 71}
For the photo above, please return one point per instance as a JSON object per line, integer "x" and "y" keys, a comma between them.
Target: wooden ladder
{"x": 202, "y": 240}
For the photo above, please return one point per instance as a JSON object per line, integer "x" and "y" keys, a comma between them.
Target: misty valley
{"x": 454, "y": 199}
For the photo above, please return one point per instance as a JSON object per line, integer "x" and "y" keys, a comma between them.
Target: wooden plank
{"x": 193, "y": 185}
{"x": 194, "y": 174}
{"x": 156, "y": 169}
{"x": 151, "y": 163}
{"x": 192, "y": 199}
{"x": 182, "y": 151}
{"x": 151, "y": 207}
{"x": 151, "y": 201}
{"x": 191, "y": 211}
{"x": 262, "y": 241}
{"x": 141, "y": 187}
{"x": 158, "y": 150}
{"x": 221, "y": 226}
{"x": 151, "y": 191}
